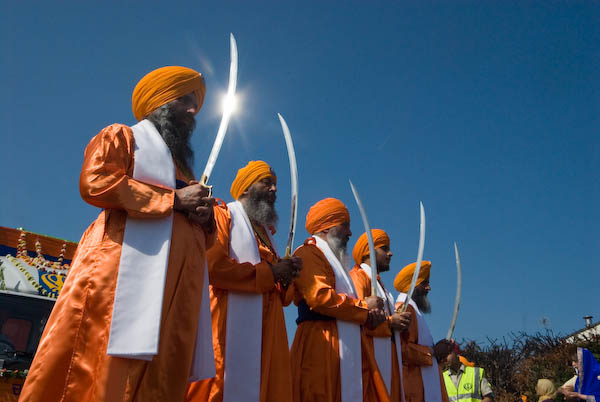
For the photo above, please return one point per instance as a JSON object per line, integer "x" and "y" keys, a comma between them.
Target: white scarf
{"x": 137, "y": 308}
{"x": 243, "y": 339}
{"x": 383, "y": 346}
{"x": 429, "y": 374}
{"x": 348, "y": 332}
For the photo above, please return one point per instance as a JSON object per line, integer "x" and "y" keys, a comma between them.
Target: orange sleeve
{"x": 225, "y": 272}
{"x": 106, "y": 177}
{"x": 413, "y": 353}
{"x": 316, "y": 285}
{"x": 362, "y": 284}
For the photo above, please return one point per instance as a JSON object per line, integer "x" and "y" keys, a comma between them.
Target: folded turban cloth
{"x": 164, "y": 85}
{"x": 326, "y": 214}
{"x": 402, "y": 281}
{"x": 361, "y": 248}
{"x": 248, "y": 175}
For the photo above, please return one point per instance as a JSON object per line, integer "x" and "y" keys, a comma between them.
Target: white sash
{"x": 430, "y": 374}
{"x": 348, "y": 333}
{"x": 243, "y": 339}
{"x": 137, "y": 307}
{"x": 382, "y": 346}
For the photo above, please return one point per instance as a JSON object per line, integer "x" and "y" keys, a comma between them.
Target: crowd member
{"x": 463, "y": 383}
{"x": 545, "y": 390}
{"x": 421, "y": 375}
{"x": 126, "y": 323}
{"x": 380, "y": 340}
{"x": 327, "y": 354}
{"x": 250, "y": 284}
{"x": 587, "y": 385}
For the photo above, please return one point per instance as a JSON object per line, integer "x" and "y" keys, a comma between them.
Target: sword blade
{"x": 413, "y": 282}
{"x": 294, "y": 179}
{"x": 365, "y": 220}
{"x": 228, "y": 110}
{"x": 458, "y": 293}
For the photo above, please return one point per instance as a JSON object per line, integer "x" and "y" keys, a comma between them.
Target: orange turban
{"x": 326, "y": 214}
{"x": 361, "y": 248}
{"x": 164, "y": 85}
{"x": 402, "y": 281}
{"x": 248, "y": 175}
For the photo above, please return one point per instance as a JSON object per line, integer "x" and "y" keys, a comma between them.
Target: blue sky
{"x": 488, "y": 112}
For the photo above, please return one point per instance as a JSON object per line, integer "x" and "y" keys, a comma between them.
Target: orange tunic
{"x": 414, "y": 356}
{"x": 71, "y": 363}
{"x": 362, "y": 284}
{"x": 315, "y": 350}
{"x": 227, "y": 274}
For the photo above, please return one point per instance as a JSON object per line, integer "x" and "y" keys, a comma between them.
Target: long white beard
{"x": 339, "y": 250}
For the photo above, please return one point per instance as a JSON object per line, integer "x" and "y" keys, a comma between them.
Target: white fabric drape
{"x": 348, "y": 332}
{"x": 429, "y": 374}
{"x": 137, "y": 309}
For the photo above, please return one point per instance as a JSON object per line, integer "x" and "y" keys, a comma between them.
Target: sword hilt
{"x": 203, "y": 183}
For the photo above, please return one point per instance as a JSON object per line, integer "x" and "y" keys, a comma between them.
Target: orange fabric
{"x": 248, "y": 175}
{"x": 315, "y": 353}
{"x": 71, "y": 363}
{"x": 465, "y": 361}
{"x": 227, "y": 274}
{"x": 362, "y": 284}
{"x": 326, "y": 214}
{"x": 361, "y": 248}
{"x": 404, "y": 277}
{"x": 164, "y": 85}
{"x": 414, "y": 356}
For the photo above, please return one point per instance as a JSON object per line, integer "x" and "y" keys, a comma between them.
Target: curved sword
{"x": 228, "y": 110}
{"x": 413, "y": 282}
{"x": 294, "y": 178}
{"x": 458, "y": 289}
{"x": 365, "y": 220}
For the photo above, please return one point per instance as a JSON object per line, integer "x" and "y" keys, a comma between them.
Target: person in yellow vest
{"x": 464, "y": 383}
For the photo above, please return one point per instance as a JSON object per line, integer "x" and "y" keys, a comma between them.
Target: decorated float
{"x": 33, "y": 268}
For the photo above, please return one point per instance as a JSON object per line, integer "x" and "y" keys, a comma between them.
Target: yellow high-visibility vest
{"x": 469, "y": 387}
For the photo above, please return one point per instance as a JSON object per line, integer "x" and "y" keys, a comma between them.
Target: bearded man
{"x": 249, "y": 285}
{"x": 329, "y": 352}
{"x": 421, "y": 375}
{"x": 381, "y": 340}
{"x": 129, "y": 323}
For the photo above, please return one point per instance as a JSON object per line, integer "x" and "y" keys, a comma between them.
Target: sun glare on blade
{"x": 229, "y": 103}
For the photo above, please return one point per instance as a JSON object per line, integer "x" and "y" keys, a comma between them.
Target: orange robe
{"x": 227, "y": 274}
{"x": 414, "y": 356}
{"x": 71, "y": 363}
{"x": 315, "y": 350}
{"x": 362, "y": 284}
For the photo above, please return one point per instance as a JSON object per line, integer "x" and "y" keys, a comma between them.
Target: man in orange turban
{"x": 128, "y": 324}
{"x": 381, "y": 340}
{"x": 329, "y": 353}
{"x": 421, "y": 375}
{"x": 250, "y": 285}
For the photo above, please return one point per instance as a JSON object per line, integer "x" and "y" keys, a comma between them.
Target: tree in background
{"x": 514, "y": 365}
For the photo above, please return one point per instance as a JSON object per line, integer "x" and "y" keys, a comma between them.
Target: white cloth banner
{"x": 137, "y": 309}
{"x": 383, "y": 346}
{"x": 348, "y": 332}
{"x": 243, "y": 338}
{"x": 429, "y": 374}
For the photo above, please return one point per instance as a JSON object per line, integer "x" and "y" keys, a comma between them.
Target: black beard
{"x": 260, "y": 208}
{"x": 422, "y": 303}
{"x": 176, "y": 128}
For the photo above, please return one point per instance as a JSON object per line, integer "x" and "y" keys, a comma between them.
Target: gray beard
{"x": 176, "y": 129}
{"x": 260, "y": 210}
{"x": 422, "y": 303}
{"x": 339, "y": 249}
